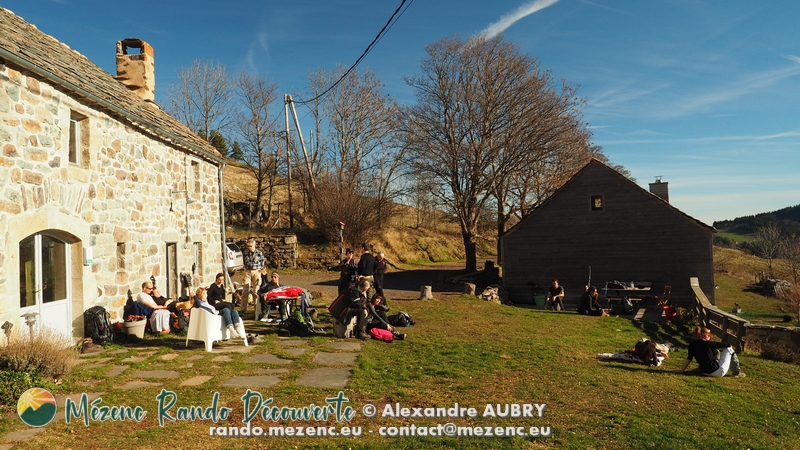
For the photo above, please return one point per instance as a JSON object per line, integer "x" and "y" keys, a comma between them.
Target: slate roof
{"x": 25, "y": 48}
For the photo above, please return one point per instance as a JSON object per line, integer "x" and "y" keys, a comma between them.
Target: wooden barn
{"x": 602, "y": 225}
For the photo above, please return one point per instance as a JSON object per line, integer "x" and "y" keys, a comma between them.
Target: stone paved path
{"x": 333, "y": 363}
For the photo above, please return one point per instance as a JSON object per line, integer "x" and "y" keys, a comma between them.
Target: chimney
{"x": 660, "y": 189}
{"x": 137, "y": 71}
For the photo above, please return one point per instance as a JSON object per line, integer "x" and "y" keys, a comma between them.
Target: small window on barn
{"x": 78, "y": 139}
{"x": 597, "y": 203}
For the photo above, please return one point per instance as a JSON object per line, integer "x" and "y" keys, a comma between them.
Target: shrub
{"x": 47, "y": 353}
{"x": 779, "y": 352}
{"x": 14, "y": 383}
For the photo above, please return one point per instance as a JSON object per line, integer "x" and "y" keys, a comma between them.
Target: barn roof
{"x": 25, "y": 48}
{"x": 595, "y": 161}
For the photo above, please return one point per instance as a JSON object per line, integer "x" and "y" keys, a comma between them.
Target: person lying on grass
{"x": 702, "y": 349}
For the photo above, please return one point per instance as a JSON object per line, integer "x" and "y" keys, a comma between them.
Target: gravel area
{"x": 399, "y": 284}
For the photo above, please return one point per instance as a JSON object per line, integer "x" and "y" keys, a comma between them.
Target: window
{"x": 597, "y": 203}
{"x": 78, "y": 139}
{"x": 196, "y": 174}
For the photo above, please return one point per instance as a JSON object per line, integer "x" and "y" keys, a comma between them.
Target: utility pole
{"x": 286, "y": 99}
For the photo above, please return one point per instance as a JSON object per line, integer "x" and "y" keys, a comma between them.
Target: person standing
{"x": 702, "y": 350}
{"x": 348, "y": 270}
{"x": 366, "y": 268}
{"x": 380, "y": 270}
{"x": 555, "y": 297}
{"x": 253, "y": 260}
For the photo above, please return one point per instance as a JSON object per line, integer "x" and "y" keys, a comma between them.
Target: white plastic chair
{"x": 207, "y": 327}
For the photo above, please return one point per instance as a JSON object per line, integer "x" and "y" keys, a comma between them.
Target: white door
{"x": 45, "y": 282}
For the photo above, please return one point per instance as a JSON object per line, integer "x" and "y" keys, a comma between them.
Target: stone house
{"x": 99, "y": 189}
{"x": 603, "y": 226}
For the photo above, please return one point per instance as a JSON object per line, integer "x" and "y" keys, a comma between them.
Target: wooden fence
{"x": 728, "y": 327}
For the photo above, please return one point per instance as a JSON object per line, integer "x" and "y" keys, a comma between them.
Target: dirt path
{"x": 399, "y": 284}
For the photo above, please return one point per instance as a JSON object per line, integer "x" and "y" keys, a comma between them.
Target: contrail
{"x": 510, "y": 19}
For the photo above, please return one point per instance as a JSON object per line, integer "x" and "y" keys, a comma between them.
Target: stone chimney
{"x": 137, "y": 70}
{"x": 660, "y": 189}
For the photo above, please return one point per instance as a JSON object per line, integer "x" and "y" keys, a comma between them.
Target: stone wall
{"x": 789, "y": 336}
{"x": 280, "y": 251}
{"x": 127, "y": 200}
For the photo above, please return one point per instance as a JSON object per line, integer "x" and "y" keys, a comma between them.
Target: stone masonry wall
{"x": 120, "y": 201}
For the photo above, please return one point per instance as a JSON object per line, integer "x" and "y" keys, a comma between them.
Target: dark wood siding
{"x": 635, "y": 237}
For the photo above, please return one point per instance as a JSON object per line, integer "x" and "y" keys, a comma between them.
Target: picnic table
{"x": 636, "y": 291}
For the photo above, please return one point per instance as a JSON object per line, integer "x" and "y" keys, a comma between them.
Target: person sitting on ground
{"x": 376, "y": 317}
{"x": 588, "y": 304}
{"x": 217, "y": 293}
{"x": 273, "y": 283}
{"x": 702, "y": 349}
{"x": 555, "y": 297}
{"x": 230, "y": 317}
{"x": 159, "y": 318}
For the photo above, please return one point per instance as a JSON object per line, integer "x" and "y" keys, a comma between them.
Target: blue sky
{"x": 702, "y": 93}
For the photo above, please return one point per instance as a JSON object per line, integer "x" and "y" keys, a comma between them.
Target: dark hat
{"x": 592, "y": 288}
{"x": 349, "y": 250}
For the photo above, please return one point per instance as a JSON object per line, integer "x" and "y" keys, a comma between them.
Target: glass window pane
{"x": 54, "y": 269}
{"x": 27, "y": 272}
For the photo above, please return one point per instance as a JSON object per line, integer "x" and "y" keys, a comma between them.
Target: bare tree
{"x": 260, "y": 139}
{"x": 202, "y": 98}
{"x": 790, "y": 251}
{"x": 768, "y": 242}
{"x": 486, "y": 120}
{"x": 358, "y": 152}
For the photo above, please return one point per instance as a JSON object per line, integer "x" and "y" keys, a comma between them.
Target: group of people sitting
{"x": 370, "y": 311}
{"x": 162, "y": 311}
{"x": 588, "y": 304}
{"x": 361, "y": 283}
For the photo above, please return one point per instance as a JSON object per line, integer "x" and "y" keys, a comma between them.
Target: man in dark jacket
{"x": 589, "y": 305}
{"x": 358, "y": 303}
{"x": 366, "y": 268}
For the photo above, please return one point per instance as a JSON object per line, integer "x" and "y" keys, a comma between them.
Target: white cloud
{"x": 510, "y": 19}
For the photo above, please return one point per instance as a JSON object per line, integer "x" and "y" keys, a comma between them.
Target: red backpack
{"x": 381, "y": 334}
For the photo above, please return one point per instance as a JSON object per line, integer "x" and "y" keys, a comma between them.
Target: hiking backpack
{"x": 96, "y": 325}
{"x": 626, "y": 306}
{"x": 296, "y": 328}
{"x": 401, "y": 319}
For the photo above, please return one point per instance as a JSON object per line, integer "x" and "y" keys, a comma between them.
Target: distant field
{"x": 736, "y": 237}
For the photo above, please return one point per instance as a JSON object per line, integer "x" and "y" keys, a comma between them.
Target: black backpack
{"x": 626, "y": 306}
{"x": 96, "y": 325}
{"x": 401, "y": 319}
{"x": 296, "y": 328}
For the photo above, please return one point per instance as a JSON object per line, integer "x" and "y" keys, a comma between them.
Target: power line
{"x": 377, "y": 38}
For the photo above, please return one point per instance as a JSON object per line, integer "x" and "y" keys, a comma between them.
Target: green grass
{"x": 466, "y": 351}
{"x": 736, "y": 237}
